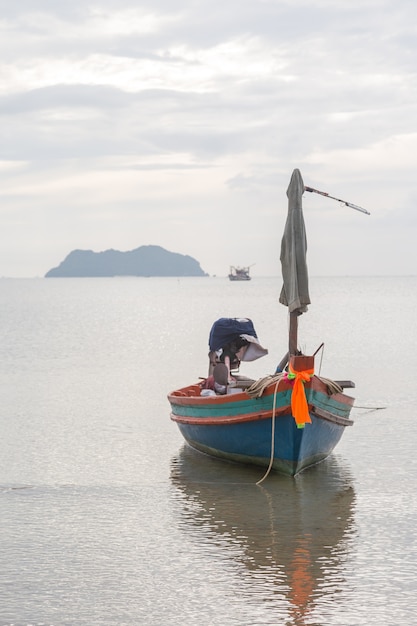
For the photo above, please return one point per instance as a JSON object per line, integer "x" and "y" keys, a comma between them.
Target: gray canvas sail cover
{"x": 294, "y": 293}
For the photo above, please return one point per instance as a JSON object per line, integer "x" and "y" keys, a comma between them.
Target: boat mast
{"x": 293, "y": 333}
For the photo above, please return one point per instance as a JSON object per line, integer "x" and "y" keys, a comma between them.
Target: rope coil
{"x": 257, "y": 389}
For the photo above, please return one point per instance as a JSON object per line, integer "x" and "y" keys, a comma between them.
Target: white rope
{"x": 271, "y": 460}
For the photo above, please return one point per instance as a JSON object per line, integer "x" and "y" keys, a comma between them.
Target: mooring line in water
{"x": 271, "y": 460}
{"x": 369, "y": 408}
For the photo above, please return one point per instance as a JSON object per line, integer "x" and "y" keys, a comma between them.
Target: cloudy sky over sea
{"x": 179, "y": 123}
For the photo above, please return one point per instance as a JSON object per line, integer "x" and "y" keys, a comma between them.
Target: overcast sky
{"x": 179, "y": 124}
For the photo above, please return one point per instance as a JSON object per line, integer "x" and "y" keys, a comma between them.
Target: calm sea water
{"x": 107, "y": 519}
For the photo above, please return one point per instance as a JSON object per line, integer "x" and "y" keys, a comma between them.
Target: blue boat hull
{"x": 250, "y": 430}
{"x": 250, "y": 442}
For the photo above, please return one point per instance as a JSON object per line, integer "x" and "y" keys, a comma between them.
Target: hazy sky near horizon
{"x": 179, "y": 124}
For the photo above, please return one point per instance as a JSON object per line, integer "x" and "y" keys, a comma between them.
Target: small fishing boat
{"x": 239, "y": 273}
{"x": 287, "y": 421}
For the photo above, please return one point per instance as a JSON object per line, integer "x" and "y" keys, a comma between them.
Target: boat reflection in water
{"x": 291, "y": 536}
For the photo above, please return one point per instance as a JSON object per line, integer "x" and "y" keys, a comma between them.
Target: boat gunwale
{"x": 315, "y": 384}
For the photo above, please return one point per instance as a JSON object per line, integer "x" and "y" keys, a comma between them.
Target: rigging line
{"x": 321, "y": 357}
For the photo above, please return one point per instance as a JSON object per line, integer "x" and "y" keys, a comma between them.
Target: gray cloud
{"x": 140, "y": 120}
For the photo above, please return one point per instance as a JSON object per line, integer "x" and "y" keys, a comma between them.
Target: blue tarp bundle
{"x": 227, "y": 329}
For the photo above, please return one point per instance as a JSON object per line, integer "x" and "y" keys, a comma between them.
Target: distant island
{"x": 143, "y": 261}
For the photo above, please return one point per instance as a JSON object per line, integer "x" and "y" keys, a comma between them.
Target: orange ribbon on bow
{"x": 299, "y": 406}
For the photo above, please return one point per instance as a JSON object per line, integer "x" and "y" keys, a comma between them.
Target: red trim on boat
{"x": 230, "y": 419}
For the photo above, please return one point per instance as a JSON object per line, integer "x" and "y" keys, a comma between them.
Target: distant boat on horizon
{"x": 239, "y": 273}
